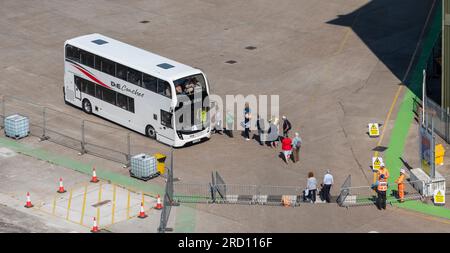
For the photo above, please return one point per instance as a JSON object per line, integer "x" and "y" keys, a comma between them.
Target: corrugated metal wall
{"x": 446, "y": 54}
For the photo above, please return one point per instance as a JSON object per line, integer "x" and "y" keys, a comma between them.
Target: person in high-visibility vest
{"x": 383, "y": 171}
{"x": 381, "y": 191}
{"x": 401, "y": 185}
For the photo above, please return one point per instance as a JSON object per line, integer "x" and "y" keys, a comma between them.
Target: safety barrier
{"x": 192, "y": 193}
{"x": 217, "y": 191}
{"x": 85, "y": 136}
{"x": 165, "y": 214}
{"x": 352, "y": 196}
{"x": 344, "y": 190}
{"x": 441, "y": 119}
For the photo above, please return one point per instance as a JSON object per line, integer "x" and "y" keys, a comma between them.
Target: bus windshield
{"x": 191, "y": 112}
{"x": 190, "y": 85}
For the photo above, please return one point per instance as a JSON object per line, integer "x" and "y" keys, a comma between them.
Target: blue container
{"x": 17, "y": 126}
{"x": 143, "y": 166}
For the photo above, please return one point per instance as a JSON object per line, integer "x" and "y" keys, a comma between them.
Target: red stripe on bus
{"x": 93, "y": 78}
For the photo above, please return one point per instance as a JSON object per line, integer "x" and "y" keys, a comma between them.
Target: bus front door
{"x": 166, "y": 132}
{"x": 77, "y": 90}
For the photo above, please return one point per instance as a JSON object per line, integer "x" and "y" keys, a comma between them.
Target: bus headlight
{"x": 180, "y": 135}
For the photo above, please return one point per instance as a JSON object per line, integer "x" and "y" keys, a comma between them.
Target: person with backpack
{"x": 286, "y": 126}
{"x": 260, "y": 125}
{"x": 296, "y": 144}
{"x": 246, "y": 123}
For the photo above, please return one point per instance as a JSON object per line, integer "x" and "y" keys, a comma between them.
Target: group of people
{"x": 309, "y": 194}
{"x": 381, "y": 186}
{"x": 290, "y": 150}
{"x": 188, "y": 87}
{"x": 270, "y": 135}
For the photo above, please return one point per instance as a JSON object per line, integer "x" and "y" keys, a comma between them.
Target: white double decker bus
{"x": 137, "y": 89}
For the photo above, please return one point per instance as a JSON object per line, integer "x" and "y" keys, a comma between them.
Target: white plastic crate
{"x": 143, "y": 166}
{"x": 17, "y": 126}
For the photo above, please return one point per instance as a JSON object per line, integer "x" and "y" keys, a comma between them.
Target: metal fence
{"x": 365, "y": 195}
{"x": 344, "y": 190}
{"x": 217, "y": 191}
{"x": 440, "y": 118}
{"x": 220, "y": 185}
{"x": 83, "y": 135}
{"x": 165, "y": 213}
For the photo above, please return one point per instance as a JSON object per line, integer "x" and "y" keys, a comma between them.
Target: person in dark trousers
{"x": 260, "y": 126}
{"x": 286, "y": 126}
{"x": 381, "y": 192}
{"x": 311, "y": 185}
{"x": 247, "y": 117}
{"x": 327, "y": 183}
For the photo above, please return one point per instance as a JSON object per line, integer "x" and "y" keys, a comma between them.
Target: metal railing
{"x": 83, "y": 135}
{"x": 440, "y": 118}
{"x": 344, "y": 190}
{"x": 366, "y": 195}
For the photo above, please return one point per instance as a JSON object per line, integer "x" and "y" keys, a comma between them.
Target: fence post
{"x": 83, "y": 149}
{"x": 447, "y": 138}
{"x": 3, "y": 112}
{"x": 44, "y": 125}
{"x": 128, "y": 156}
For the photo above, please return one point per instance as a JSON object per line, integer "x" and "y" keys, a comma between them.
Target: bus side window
{"x": 99, "y": 92}
{"x": 134, "y": 76}
{"x": 107, "y": 66}
{"x": 164, "y": 88}
{"x": 122, "y": 101}
{"x": 121, "y": 72}
{"x": 149, "y": 82}
{"x": 131, "y": 104}
{"x": 73, "y": 53}
{"x": 109, "y": 96}
{"x": 98, "y": 63}
{"x": 87, "y": 58}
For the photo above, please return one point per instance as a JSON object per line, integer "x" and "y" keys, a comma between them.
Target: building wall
{"x": 445, "y": 54}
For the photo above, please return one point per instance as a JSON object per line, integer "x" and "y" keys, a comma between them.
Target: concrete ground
{"x": 335, "y": 65}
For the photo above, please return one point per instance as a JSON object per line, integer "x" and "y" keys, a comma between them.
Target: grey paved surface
{"x": 332, "y": 80}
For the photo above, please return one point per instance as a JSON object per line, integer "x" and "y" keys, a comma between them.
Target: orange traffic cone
{"x": 61, "y": 186}
{"x": 28, "y": 204}
{"x": 95, "y": 227}
{"x": 158, "y": 203}
{"x": 94, "y": 176}
{"x": 142, "y": 214}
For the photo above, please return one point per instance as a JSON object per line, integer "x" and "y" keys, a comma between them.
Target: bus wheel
{"x": 87, "y": 107}
{"x": 150, "y": 132}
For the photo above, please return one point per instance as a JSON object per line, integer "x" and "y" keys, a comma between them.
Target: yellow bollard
{"x": 128, "y": 205}
{"x": 68, "y": 205}
{"x": 83, "y": 208}
{"x": 113, "y": 204}
{"x": 99, "y": 199}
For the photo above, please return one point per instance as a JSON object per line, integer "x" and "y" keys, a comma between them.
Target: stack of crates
{"x": 143, "y": 167}
{"x": 17, "y": 126}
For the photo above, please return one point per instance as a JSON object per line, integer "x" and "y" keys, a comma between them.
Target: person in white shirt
{"x": 327, "y": 183}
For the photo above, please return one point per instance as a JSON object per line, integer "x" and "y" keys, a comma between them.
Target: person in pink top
{"x": 286, "y": 146}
